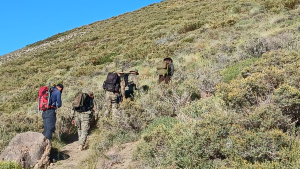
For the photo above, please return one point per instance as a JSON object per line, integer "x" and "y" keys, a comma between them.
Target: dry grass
{"x": 205, "y": 39}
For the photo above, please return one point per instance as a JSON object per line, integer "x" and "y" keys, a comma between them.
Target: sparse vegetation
{"x": 10, "y": 165}
{"x": 248, "y": 122}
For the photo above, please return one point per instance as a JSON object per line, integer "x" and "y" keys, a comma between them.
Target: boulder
{"x": 30, "y": 150}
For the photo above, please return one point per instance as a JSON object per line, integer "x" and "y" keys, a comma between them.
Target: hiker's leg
{"x": 85, "y": 126}
{"x": 114, "y": 105}
{"x": 44, "y": 121}
{"x": 78, "y": 124}
{"x": 123, "y": 90}
{"x": 167, "y": 79}
{"x": 107, "y": 104}
{"x": 161, "y": 78}
{"x": 50, "y": 121}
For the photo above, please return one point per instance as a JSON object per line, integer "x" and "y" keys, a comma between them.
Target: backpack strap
{"x": 167, "y": 68}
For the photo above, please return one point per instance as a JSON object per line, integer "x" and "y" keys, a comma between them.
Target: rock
{"x": 30, "y": 149}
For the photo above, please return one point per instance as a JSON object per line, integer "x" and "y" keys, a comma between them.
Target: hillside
{"x": 248, "y": 122}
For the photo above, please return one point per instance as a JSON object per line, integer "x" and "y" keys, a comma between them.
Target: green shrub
{"x": 233, "y": 71}
{"x": 277, "y": 5}
{"x": 242, "y": 93}
{"x": 103, "y": 60}
{"x": 220, "y": 139}
{"x": 9, "y": 165}
{"x": 154, "y": 142}
{"x": 197, "y": 108}
{"x": 190, "y": 27}
{"x": 287, "y": 99}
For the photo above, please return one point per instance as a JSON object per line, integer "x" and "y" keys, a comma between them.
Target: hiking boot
{"x": 80, "y": 147}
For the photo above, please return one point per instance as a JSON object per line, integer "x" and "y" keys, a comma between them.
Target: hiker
{"x": 123, "y": 83}
{"x": 165, "y": 70}
{"x": 133, "y": 84}
{"x": 83, "y": 114}
{"x": 49, "y": 116}
{"x": 112, "y": 89}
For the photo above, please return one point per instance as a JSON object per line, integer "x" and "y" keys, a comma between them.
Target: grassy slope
{"x": 209, "y": 41}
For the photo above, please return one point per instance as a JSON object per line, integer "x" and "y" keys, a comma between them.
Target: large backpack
{"x": 78, "y": 100}
{"x": 43, "y": 98}
{"x": 82, "y": 102}
{"x": 162, "y": 68}
{"x": 112, "y": 82}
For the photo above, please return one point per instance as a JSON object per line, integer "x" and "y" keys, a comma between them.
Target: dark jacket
{"x": 170, "y": 69}
{"x": 55, "y": 98}
{"x": 87, "y": 105}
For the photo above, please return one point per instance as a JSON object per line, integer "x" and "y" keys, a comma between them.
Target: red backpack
{"x": 43, "y": 98}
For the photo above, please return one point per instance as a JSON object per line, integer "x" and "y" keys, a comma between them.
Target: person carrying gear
{"x": 112, "y": 89}
{"x": 133, "y": 84}
{"x": 49, "y": 115}
{"x": 165, "y": 70}
{"x": 123, "y": 84}
{"x": 83, "y": 113}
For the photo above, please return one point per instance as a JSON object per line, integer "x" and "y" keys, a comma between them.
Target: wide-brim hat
{"x": 168, "y": 58}
{"x": 135, "y": 70}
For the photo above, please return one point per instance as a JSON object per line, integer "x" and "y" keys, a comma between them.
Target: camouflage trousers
{"x": 82, "y": 121}
{"x": 111, "y": 103}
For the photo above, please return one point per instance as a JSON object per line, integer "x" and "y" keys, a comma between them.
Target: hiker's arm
{"x": 171, "y": 66}
{"x": 58, "y": 99}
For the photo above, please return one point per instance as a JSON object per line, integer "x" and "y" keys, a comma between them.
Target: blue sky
{"x": 23, "y": 22}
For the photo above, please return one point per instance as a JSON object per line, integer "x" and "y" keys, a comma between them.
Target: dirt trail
{"x": 71, "y": 157}
{"x": 119, "y": 157}
{"x": 116, "y": 158}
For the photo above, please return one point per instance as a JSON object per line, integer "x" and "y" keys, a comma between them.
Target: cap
{"x": 60, "y": 85}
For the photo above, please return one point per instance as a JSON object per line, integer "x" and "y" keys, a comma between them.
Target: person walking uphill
{"x": 49, "y": 116}
{"x": 112, "y": 89}
{"x": 83, "y": 114}
{"x": 165, "y": 70}
{"x": 133, "y": 84}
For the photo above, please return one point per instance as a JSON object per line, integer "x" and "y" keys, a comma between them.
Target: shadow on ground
{"x": 55, "y": 155}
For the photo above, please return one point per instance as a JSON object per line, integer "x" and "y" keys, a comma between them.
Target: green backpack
{"x": 162, "y": 68}
{"x": 79, "y": 100}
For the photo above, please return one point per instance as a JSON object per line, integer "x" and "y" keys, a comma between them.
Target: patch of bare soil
{"x": 69, "y": 157}
{"x": 119, "y": 157}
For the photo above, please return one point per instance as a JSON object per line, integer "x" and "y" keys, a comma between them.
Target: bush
{"x": 190, "y": 27}
{"x": 277, "y": 5}
{"x": 265, "y": 118}
{"x": 9, "y": 165}
{"x": 287, "y": 99}
{"x": 106, "y": 59}
{"x": 233, "y": 71}
{"x": 154, "y": 142}
{"x": 219, "y": 140}
{"x": 243, "y": 93}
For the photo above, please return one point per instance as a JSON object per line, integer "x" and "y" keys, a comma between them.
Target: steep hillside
{"x": 248, "y": 122}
